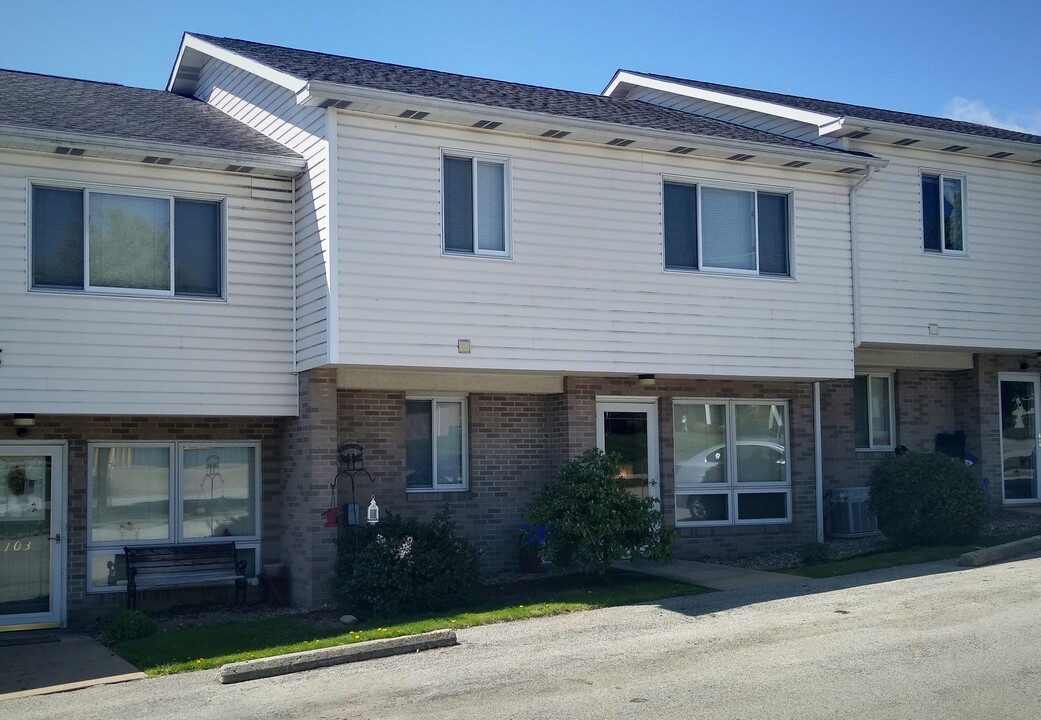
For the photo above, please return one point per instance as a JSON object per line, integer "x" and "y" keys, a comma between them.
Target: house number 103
{"x": 17, "y": 545}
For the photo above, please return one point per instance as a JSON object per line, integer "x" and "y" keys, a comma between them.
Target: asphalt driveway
{"x": 917, "y": 642}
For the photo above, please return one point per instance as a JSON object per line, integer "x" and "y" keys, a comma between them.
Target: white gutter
{"x": 818, "y": 460}
{"x": 854, "y": 235}
{"x": 315, "y": 92}
{"x": 942, "y": 135}
{"x": 45, "y": 140}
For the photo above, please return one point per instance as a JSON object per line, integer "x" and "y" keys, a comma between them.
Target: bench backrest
{"x": 171, "y": 559}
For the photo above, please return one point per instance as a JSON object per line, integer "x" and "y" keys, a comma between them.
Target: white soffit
{"x": 824, "y": 123}
{"x": 455, "y": 382}
{"x": 883, "y": 359}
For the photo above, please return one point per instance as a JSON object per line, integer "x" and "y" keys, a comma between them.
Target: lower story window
{"x": 730, "y": 462}
{"x": 163, "y": 493}
{"x": 435, "y": 444}
{"x": 873, "y": 412}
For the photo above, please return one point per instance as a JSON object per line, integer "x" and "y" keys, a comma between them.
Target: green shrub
{"x": 594, "y": 520}
{"x": 813, "y": 553}
{"x": 927, "y": 500}
{"x": 403, "y": 566}
{"x": 130, "y": 625}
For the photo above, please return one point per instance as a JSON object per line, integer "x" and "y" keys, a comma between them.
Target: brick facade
{"x": 928, "y": 402}
{"x": 78, "y": 431}
{"x": 517, "y": 442}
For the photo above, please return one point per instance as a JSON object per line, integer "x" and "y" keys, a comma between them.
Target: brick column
{"x": 309, "y": 549}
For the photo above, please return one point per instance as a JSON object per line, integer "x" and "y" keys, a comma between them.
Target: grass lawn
{"x": 892, "y": 558}
{"x": 207, "y": 646}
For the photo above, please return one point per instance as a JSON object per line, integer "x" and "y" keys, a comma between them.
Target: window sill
{"x": 726, "y": 274}
{"x": 480, "y": 256}
{"x": 876, "y": 451}
{"x": 129, "y": 295}
{"x": 437, "y": 495}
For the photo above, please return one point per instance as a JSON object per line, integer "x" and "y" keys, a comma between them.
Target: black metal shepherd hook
{"x": 351, "y": 463}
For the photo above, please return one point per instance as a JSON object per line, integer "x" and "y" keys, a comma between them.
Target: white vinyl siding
{"x": 272, "y": 110}
{"x": 81, "y": 353}
{"x": 984, "y": 298}
{"x": 586, "y": 291}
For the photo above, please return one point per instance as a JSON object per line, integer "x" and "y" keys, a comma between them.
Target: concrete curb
{"x": 311, "y": 659}
{"x": 998, "y": 553}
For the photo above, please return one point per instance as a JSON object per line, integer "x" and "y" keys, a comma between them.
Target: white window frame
{"x": 176, "y": 505}
{"x": 507, "y": 192}
{"x": 733, "y": 487}
{"x": 465, "y": 442}
{"x": 872, "y": 446}
{"x": 960, "y": 177}
{"x": 698, "y": 184}
{"x": 102, "y": 189}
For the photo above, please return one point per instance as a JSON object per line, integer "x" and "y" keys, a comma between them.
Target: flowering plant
{"x": 533, "y": 535}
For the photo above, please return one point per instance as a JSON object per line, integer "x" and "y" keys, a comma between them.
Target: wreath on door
{"x": 17, "y": 480}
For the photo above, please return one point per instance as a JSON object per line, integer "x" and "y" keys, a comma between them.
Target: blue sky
{"x": 976, "y": 60}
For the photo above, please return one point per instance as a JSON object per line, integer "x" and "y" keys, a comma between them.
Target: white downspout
{"x": 818, "y": 460}
{"x": 818, "y": 452}
{"x": 854, "y": 234}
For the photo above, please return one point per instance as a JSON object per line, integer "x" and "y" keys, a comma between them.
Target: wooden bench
{"x": 159, "y": 566}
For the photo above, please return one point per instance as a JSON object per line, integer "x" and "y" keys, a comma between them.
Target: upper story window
{"x": 103, "y": 241}
{"x": 475, "y": 205}
{"x": 943, "y": 213}
{"x": 726, "y": 229}
{"x": 873, "y": 411}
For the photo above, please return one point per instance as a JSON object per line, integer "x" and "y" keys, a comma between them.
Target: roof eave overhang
{"x": 43, "y": 140}
{"x": 316, "y": 92}
{"x": 192, "y": 56}
{"x": 825, "y": 123}
{"x": 944, "y": 135}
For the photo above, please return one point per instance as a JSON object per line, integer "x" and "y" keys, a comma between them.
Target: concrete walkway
{"x": 50, "y": 661}
{"x": 710, "y": 575}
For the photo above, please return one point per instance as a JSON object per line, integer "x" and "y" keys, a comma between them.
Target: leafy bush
{"x": 927, "y": 500}
{"x": 403, "y": 566}
{"x": 594, "y": 520}
{"x": 130, "y": 625}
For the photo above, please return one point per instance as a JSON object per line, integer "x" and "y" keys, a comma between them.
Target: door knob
{"x": 56, "y": 538}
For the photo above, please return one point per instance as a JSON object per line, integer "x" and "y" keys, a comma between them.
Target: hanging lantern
{"x": 374, "y": 512}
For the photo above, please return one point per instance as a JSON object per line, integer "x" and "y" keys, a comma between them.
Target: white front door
{"x": 629, "y": 429}
{"x": 1020, "y": 437}
{"x": 32, "y": 492}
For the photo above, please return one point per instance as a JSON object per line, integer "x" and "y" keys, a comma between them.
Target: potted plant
{"x": 17, "y": 480}
{"x": 532, "y": 541}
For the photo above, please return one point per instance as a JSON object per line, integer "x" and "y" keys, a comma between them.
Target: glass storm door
{"x": 1019, "y": 438}
{"x": 30, "y": 542}
{"x": 630, "y": 430}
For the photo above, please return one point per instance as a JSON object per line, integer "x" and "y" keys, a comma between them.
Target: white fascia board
{"x": 190, "y": 42}
{"x": 315, "y": 92}
{"x": 944, "y": 135}
{"x": 45, "y": 140}
{"x": 818, "y": 120}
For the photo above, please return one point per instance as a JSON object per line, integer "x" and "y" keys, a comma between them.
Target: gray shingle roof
{"x": 828, "y": 107}
{"x": 315, "y": 66}
{"x": 46, "y": 102}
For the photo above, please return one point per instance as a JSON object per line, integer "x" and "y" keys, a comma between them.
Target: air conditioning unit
{"x": 849, "y": 516}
